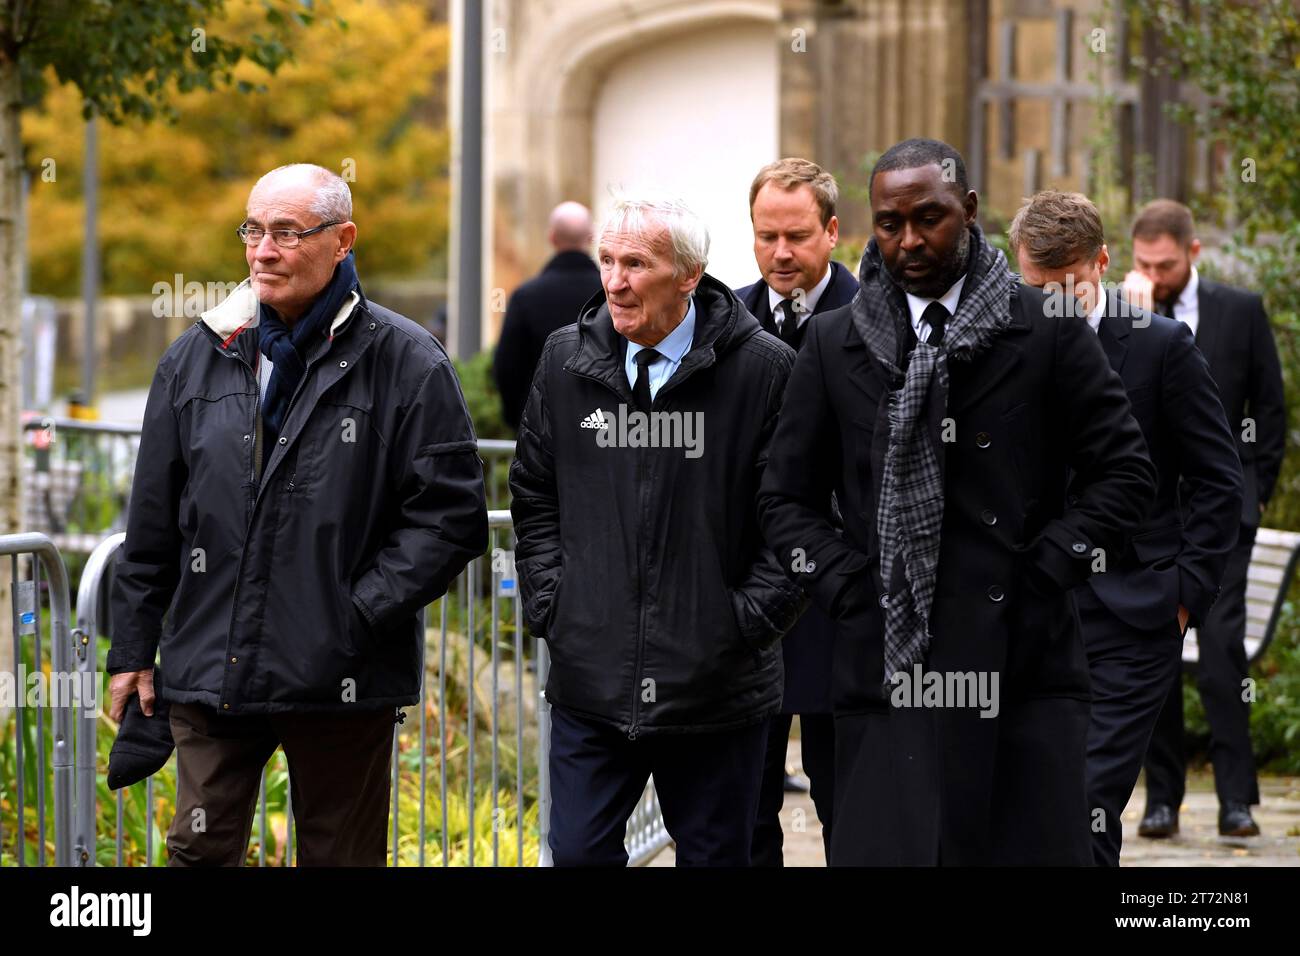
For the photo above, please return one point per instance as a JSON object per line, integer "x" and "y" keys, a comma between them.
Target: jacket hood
{"x": 239, "y": 311}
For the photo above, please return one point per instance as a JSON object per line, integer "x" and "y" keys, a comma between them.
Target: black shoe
{"x": 1160, "y": 821}
{"x": 795, "y": 784}
{"x": 1235, "y": 820}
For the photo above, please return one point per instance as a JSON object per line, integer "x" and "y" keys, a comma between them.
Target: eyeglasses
{"x": 284, "y": 238}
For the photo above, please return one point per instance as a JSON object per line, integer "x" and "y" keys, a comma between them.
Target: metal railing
{"x": 25, "y": 597}
{"x": 483, "y": 699}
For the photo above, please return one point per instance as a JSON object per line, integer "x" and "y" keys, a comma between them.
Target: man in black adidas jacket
{"x": 640, "y": 453}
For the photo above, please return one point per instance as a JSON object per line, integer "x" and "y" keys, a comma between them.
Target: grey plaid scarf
{"x": 910, "y": 514}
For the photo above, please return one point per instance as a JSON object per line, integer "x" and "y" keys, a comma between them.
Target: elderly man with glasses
{"x": 308, "y": 481}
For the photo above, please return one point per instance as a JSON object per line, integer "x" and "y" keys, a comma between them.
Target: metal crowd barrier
{"x": 499, "y": 718}
{"x": 25, "y": 598}
{"x": 78, "y": 478}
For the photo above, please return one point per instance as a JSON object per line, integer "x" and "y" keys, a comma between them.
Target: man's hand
{"x": 1183, "y": 615}
{"x": 122, "y": 686}
{"x": 1139, "y": 290}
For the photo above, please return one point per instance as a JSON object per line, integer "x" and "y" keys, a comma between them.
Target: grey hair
{"x": 639, "y": 214}
{"x": 333, "y": 200}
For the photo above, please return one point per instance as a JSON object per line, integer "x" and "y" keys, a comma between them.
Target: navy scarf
{"x": 287, "y": 347}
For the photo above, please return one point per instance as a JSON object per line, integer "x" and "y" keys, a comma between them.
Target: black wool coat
{"x": 923, "y": 785}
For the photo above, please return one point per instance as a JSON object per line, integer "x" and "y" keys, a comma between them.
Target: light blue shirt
{"x": 672, "y": 349}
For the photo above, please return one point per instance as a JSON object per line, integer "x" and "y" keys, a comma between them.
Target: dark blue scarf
{"x": 288, "y": 348}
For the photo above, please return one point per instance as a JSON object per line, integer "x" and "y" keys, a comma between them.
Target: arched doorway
{"x": 696, "y": 114}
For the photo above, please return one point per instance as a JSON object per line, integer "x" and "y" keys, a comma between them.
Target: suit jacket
{"x": 944, "y": 783}
{"x": 1171, "y": 559}
{"x": 548, "y": 301}
{"x": 1234, "y": 335}
{"x": 839, "y": 291}
{"x": 809, "y": 646}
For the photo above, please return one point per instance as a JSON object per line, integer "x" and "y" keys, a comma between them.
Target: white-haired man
{"x": 640, "y": 452}
{"x": 309, "y": 480}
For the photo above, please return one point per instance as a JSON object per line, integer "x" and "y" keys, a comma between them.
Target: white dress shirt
{"x": 1185, "y": 308}
{"x": 1098, "y": 310}
{"x": 810, "y": 300}
{"x": 948, "y": 300}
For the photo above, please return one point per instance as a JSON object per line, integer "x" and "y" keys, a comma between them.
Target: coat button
{"x": 284, "y": 441}
{"x": 996, "y": 594}
{"x": 988, "y": 517}
{"x": 234, "y": 660}
{"x": 372, "y": 326}
{"x": 884, "y": 600}
{"x": 1079, "y": 547}
{"x": 982, "y": 440}
{"x": 343, "y": 364}
{"x": 246, "y": 437}
{"x": 225, "y": 706}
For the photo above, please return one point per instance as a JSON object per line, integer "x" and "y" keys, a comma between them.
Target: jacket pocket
{"x": 552, "y": 610}
{"x": 361, "y": 637}
{"x": 751, "y": 631}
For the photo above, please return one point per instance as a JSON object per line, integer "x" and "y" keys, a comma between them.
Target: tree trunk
{"x": 13, "y": 239}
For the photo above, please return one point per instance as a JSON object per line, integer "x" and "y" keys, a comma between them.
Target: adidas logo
{"x": 595, "y": 420}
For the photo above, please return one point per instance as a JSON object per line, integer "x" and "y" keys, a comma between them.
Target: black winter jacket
{"x": 300, "y": 590}
{"x": 643, "y": 567}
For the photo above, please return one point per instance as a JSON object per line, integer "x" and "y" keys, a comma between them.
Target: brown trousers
{"x": 339, "y": 783}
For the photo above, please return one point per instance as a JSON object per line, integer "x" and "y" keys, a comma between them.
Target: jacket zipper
{"x": 635, "y": 730}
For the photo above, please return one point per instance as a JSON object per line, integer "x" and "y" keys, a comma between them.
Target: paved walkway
{"x": 1197, "y": 844}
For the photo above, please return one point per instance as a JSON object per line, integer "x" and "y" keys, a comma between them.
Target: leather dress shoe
{"x": 1235, "y": 820}
{"x": 1160, "y": 821}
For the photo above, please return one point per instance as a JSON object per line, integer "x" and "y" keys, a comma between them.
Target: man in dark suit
{"x": 541, "y": 305}
{"x": 792, "y": 208}
{"x": 945, "y": 407}
{"x": 1233, "y": 333}
{"x": 1134, "y": 614}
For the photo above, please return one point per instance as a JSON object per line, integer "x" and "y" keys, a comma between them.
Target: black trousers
{"x": 707, "y": 785}
{"x": 338, "y": 782}
{"x": 1220, "y": 670}
{"x": 817, "y": 745}
{"x": 1129, "y": 670}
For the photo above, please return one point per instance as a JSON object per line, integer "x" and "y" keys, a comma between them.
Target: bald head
{"x": 570, "y": 227}
{"x": 322, "y": 192}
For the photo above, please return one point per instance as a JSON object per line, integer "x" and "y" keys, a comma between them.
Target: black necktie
{"x": 936, "y": 315}
{"x": 641, "y": 390}
{"x": 788, "y": 322}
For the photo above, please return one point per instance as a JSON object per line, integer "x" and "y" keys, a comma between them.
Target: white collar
{"x": 1098, "y": 310}
{"x": 948, "y": 300}
{"x": 810, "y": 300}
{"x": 238, "y": 311}
{"x": 1187, "y": 298}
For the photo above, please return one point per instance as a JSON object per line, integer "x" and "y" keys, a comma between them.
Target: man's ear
{"x": 1194, "y": 250}
{"x": 347, "y": 239}
{"x": 686, "y": 285}
{"x": 971, "y": 204}
{"x": 833, "y": 230}
{"x": 1103, "y": 260}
